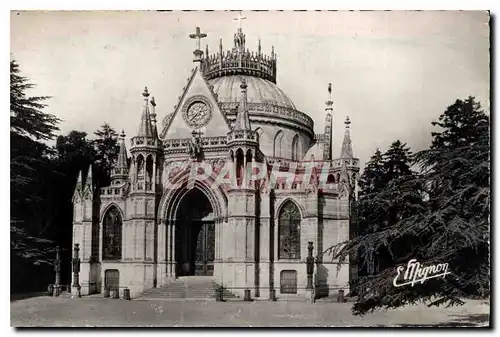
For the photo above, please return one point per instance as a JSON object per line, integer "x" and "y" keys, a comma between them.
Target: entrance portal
{"x": 195, "y": 235}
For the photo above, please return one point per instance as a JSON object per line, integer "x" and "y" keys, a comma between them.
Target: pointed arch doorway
{"x": 195, "y": 235}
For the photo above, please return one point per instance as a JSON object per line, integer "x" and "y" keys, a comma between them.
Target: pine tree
{"x": 106, "y": 151}
{"x": 31, "y": 170}
{"x": 438, "y": 215}
{"x": 457, "y": 170}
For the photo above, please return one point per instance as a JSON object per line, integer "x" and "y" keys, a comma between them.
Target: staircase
{"x": 188, "y": 287}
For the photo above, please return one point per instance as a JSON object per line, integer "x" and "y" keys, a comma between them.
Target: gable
{"x": 197, "y": 109}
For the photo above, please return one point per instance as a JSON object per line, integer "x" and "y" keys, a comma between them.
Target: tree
{"x": 30, "y": 158}
{"x": 457, "y": 170}
{"x": 31, "y": 171}
{"x": 437, "y": 215}
{"x": 380, "y": 205}
{"x": 28, "y": 125}
{"x": 106, "y": 151}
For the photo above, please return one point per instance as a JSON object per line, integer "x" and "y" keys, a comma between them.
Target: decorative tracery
{"x": 289, "y": 231}
{"x": 112, "y": 235}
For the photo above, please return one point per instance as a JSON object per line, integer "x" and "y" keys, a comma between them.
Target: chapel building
{"x": 160, "y": 220}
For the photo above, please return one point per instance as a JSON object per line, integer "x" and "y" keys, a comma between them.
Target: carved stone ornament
{"x": 197, "y": 111}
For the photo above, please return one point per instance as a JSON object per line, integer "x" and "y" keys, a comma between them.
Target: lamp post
{"x": 75, "y": 287}
{"x": 310, "y": 265}
{"x": 57, "y": 269}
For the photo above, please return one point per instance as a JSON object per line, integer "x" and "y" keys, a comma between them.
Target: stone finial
{"x": 145, "y": 93}
{"x": 347, "y": 122}
{"x": 346, "y": 151}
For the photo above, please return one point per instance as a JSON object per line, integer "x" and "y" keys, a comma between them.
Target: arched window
{"x": 140, "y": 167}
{"x": 295, "y": 148}
{"x": 259, "y": 133}
{"x": 149, "y": 173}
{"x": 112, "y": 232}
{"x": 278, "y": 139}
{"x": 330, "y": 179}
{"x": 240, "y": 166}
{"x": 289, "y": 231}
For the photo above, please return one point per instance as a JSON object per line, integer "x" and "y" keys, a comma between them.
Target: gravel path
{"x": 59, "y": 312}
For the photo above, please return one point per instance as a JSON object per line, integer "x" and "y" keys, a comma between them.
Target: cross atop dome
{"x": 236, "y": 61}
{"x": 240, "y": 17}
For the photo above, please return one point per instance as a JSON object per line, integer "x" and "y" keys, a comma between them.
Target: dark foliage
{"x": 438, "y": 214}
{"x": 43, "y": 180}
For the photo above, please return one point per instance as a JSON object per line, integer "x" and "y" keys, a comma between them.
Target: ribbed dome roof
{"x": 259, "y": 90}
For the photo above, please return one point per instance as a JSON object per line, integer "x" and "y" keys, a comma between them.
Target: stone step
{"x": 192, "y": 287}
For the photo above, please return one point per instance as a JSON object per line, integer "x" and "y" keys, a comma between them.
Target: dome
{"x": 259, "y": 90}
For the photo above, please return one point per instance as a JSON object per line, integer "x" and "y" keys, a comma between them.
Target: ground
{"x": 64, "y": 311}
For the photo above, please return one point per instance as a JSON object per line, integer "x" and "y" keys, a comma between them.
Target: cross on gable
{"x": 198, "y": 35}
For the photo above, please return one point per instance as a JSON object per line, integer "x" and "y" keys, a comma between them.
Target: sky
{"x": 393, "y": 72}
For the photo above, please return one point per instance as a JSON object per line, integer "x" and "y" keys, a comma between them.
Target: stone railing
{"x": 336, "y": 163}
{"x": 271, "y": 107}
{"x": 241, "y": 135}
{"x": 251, "y": 64}
{"x": 206, "y": 142}
{"x": 143, "y": 185}
{"x": 143, "y": 141}
{"x": 319, "y": 137}
{"x": 112, "y": 191}
{"x": 120, "y": 171}
{"x": 348, "y": 161}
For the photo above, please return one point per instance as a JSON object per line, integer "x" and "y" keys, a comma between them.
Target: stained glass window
{"x": 112, "y": 241}
{"x": 289, "y": 232}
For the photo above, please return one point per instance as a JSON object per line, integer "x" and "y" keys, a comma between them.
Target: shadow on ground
{"x": 17, "y": 297}
{"x": 457, "y": 321}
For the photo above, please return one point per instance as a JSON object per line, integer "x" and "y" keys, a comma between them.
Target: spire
{"x": 145, "y": 128}
{"x": 88, "y": 181}
{"x": 120, "y": 169}
{"x": 79, "y": 182}
{"x": 346, "y": 144}
{"x": 220, "y": 47}
{"x": 206, "y": 51}
{"x": 122, "y": 155}
{"x": 327, "y": 153}
{"x": 153, "y": 118}
{"x": 329, "y": 102}
{"x": 88, "y": 187}
{"x": 259, "y": 49}
{"x": 242, "y": 119}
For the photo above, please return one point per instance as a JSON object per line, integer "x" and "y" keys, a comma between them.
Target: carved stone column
{"x": 310, "y": 265}
{"x": 75, "y": 287}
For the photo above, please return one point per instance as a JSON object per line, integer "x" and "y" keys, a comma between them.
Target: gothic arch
{"x": 259, "y": 133}
{"x": 112, "y": 228}
{"x": 171, "y": 199}
{"x": 295, "y": 147}
{"x": 105, "y": 209}
{"x": 291, "y": 199}
{"x": 149, "y": 169}
{"x": 141, "y": 163}
{"x": 289, "y": 227}
{"x": 277, "y": 146}
{"x": 330, "y": 179}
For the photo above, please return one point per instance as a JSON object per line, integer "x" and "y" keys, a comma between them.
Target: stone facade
{"x": 234, "y": 186}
